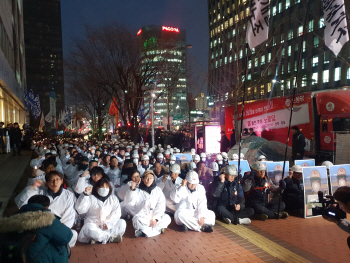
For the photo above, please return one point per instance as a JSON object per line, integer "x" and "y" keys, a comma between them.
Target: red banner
{"x": 113, "y": 110}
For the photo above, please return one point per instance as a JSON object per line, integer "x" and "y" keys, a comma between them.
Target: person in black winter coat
{"x": 256, "y": 187}
{"x": 293, "y": 195}
{"x": 15, "y": 138}
{"x": 298, "y": 144}
{"x": 233, "y": 138}
{"x": 224, "y": 143}
{"x": 230, "y": 203}
{"x": 2, "y": 134}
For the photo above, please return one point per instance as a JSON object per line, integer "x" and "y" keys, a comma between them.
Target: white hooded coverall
{"x": 167, "y": 187}
{"x": 98, "y": 213}
{"x": 191, "y": 207}
{"x": 147, "y": 207}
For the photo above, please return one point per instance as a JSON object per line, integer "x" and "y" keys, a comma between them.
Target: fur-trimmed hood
{"x": 27, "y": 221}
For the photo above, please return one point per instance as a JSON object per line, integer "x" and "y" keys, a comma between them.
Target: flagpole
{"x": 291, "y": 111}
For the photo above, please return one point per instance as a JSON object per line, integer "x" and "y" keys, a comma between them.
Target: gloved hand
{"x": 282, "y": 184}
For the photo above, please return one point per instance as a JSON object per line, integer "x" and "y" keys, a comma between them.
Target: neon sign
{"x": 139, "y": 32}
{"x": 170, "y": 29}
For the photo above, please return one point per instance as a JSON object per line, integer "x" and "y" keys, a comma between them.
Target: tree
{"x": 111, "y": 58}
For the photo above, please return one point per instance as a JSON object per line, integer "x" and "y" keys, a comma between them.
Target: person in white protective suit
{"x": 102, "y": 214}
{"x": 89, "y": 178}
{"x": 114, "y": 173}
{"x": 169, "y": 183}
{"x": 61, "y": 200}
{"x": 39, "y": 174}
{"x": 192, "y": 212}
{"x": 145, "y": 165}
{"x": 149, "y": 201}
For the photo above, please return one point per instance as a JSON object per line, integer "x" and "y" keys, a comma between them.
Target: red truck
{"x": 317, "y": 114}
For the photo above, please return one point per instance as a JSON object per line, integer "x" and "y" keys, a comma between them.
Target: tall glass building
{"x": 12, "y": 62}
{"x": 271, "y": 68}
{"x": 166, "y": 46}
{"x": 44, "y": 57}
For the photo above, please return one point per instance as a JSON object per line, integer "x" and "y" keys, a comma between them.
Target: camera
{"x": 329, "y": 207}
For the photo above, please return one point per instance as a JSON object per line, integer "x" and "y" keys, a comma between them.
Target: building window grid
{"x": 325, "y": 76}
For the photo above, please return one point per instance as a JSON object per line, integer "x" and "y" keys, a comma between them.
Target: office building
{"x": 271, "y": 67}
{"x": 166, "y": 46}
{"x": 12, "y": 62}
{"x": 44, "y": 61}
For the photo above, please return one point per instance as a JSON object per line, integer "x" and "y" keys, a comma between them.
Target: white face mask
{"x": 172, "y": 162}
{"x": 220, "y": 162}
{"x": 103, "y": 192}
{"x": 68, "y": 155}
{"x": 203, "y": 159}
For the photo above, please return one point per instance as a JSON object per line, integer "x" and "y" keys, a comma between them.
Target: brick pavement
{"x": 314, "y": 240}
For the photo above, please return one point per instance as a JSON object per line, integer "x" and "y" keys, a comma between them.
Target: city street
{"x": 285, "y": 240}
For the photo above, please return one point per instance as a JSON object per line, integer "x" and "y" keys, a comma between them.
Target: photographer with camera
{"x": 342, "y": 198}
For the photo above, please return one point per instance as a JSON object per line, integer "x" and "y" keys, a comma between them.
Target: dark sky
{"x": 191, "y": 15}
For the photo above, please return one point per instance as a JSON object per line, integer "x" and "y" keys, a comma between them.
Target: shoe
{"x": 162, "y": 231}
{"x": 283, "y": 215}
{"x": 139, "y": 233}
{"x": 92, "y": 242}
{"x": 244, "y": 221}
{"x": 116, "y": 239}
{"x": 207, "y": 228}
{"x": 227, "y": 220}
{"x": 261, "y": 217}
{"x": 184, "y": 228}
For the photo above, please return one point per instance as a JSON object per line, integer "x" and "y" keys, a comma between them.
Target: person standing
{"x": 15, "y": 138}
{"x": 224, "y": 143}
{"x": 233, "y": 138}
{"x": 298, "y": 144}
{"x": 252, "y": 132}
{"x": 2, "y": 134}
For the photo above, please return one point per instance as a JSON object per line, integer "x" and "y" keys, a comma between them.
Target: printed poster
{"x": 315, "y": 179}
{"x": 275, "y": 169}
{"x": 305, "y": 162}
{"x": 340, "y": 176}
{"x": 244, "y": 166}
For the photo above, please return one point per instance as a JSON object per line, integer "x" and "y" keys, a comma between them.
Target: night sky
{"x": 191, "y": 15}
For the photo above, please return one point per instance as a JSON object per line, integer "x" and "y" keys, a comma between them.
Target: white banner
{"x": 278, "y": 119}
{"x": 48, "y": 117}
{"x": 42, "y": 121}
{"x": 258, "y": 24}
{"x": 336, "y": 32}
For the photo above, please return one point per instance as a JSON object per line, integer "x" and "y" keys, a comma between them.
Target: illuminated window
{"x": 230, "y": 46}
{"x": 233, "y": 7}
{"x": 231, "y": 21}
{"x": 300, "y": 30}
{"x": 336, "y": 74}
{"x": 321, "y": 23}
{"x": 316, "y": 41}
{"x": 288, "y": 67}
{"x": 289, "y": 51}
{"x": 249, "y": 76}
{"x": 279, "y": 7}
{"x": 282, "y": 69}
{"x": 311, "y": 25}
{"x": 241, "y": 53}
{"x": 262, "y": 90}
{"x": 315, "y": 78}
{"x": 315, "y": 61}
{"x": 256, "y": 62}
{"x": 282, "y": 53}
{"x": 304, "y": 46}
{"x": 325, "y": 76}
{"x": 269, "y": 85}
{"x": 236, "y": 18}
{"x": 247, "y": 11}
{"x": 274, "y": 10}
{"x": 269, "y": 57}
{"x": 225, "y": 60}
{"x": 326, "y": 57}
{"x": 348, "y": 74}
{"x": 226, "y": 24}
{"x": 233, "y": 32}
{"x": 303, "y": 63}
{"x": 228, "y": 10}
{"x": 249, "y": 64}
{"x": 230, "y": 59}
{"x": 287, "y": 4}
{"x": 262, "y": 59}
{"x": 290, "y": 34}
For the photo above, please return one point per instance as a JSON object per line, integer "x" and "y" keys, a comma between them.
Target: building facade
{"x": 12, "y": 62}
{"x": 44, "y": 57}
{"x": 272, "y": 66}
{"x": 167, "y": 47}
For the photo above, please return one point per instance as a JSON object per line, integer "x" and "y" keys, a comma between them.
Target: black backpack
{"x": 15, "y": 246}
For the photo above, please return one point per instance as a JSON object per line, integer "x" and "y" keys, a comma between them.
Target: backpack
{"x": 15, "y": 247}
{"x": 307, "y": 145}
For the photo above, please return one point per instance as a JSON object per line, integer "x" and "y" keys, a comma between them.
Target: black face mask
{"x": 83, "y": 167}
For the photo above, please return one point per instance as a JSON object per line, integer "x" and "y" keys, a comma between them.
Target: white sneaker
{"x": 116, "y": 239}
{"x": 227, "y": 220}
{"x": 244, "y": 221}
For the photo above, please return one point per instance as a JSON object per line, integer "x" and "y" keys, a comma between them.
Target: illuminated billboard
{"x": 170, "y": 29}
{"x": 212, "y": 138}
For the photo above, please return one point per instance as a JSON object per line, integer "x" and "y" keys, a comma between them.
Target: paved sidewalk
{"x": 11, "y": 170}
